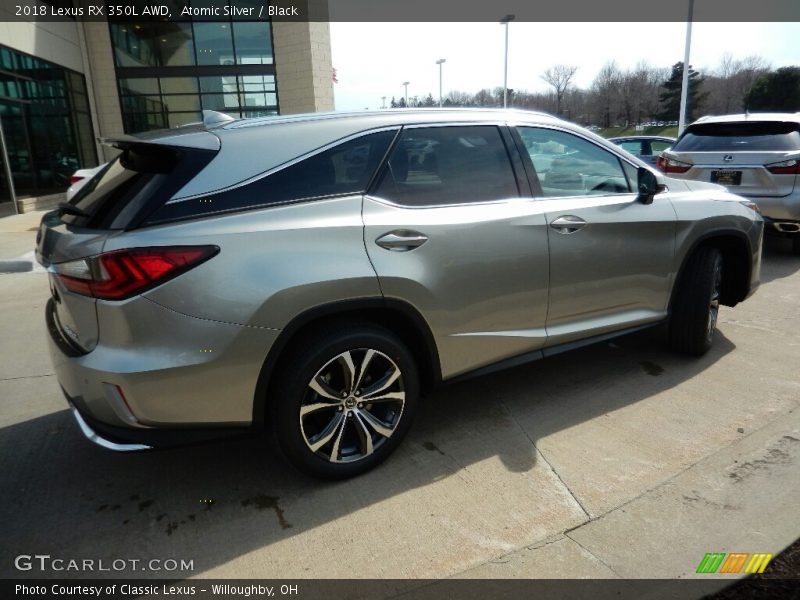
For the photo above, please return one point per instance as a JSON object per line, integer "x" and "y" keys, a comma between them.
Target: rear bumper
{"x": 160, "y": 378}
{"x": 123, "y": 439}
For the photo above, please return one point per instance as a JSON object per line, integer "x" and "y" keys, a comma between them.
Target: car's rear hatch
{"x": 147, "y": 173}
{"x": 751, "y": 158}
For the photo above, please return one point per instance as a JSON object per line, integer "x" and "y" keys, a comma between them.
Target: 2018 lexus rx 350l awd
{"x": 313, "y": 275}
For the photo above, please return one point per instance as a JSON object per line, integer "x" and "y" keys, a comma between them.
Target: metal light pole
{"x": 685, "y": 82}
{"x": 440, "y": 62}
{"x": 405, "y": 84}
{"x": 505, "y": 21}
{"x": 383, "y": 101}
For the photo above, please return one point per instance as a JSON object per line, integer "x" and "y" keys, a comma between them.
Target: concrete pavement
{"x": 618, "y": 460}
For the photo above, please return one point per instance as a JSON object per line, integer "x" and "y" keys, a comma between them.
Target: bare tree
{"x": 559, "y": 77}
{"x": 732, "y": 80}
{"x": 606, "y": 92}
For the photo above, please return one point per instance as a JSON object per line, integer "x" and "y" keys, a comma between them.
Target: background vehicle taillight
{"x": 786, "y": 167}
{"x": 670, "y": 165}
{"x": 124, "y": 273}
{"x": 75, "y": 178}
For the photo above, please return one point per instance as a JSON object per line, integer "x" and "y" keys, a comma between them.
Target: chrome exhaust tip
{"x": 787, "y": 227}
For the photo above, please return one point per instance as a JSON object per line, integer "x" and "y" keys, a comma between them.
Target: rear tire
{"x": 345, "y": 401}
{"x": 696, "y": 305}
{"x": 796, "y": 244}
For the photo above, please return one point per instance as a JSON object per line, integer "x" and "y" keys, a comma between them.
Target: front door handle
{"x": 568, "y": 224}
{"x": 401, "y": 240}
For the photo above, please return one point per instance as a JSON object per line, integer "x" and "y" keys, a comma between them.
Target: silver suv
{"x": 756, "y": 155}
{"x": 313, "y": 275}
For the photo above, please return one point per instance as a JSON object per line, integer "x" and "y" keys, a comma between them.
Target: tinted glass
{"x": 658, "y": 146}
{"x": 141, "y": 178}
{"x": 743, "y": 137}
{"x": 213, "y": 44}
{"x": 344, "y": 169}
{"x": 633, "y": 146}
{"x": 448, "y": 165}
{"x": 567, "y": 165}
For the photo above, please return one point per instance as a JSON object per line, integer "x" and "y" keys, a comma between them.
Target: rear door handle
{"x": 568, "y": 224}
{"x": 401, "y": 240}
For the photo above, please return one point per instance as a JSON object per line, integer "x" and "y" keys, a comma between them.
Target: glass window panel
{"x": 7, "y": 59}
{"x": 142, "y": 104}
{"x": 182, "y": 103}
{"x": 175, "y": 44}
{"x": 134, "y": 45}
{"x": 80, "y": 103}
{"x": 253, "y": 43}
{"x": 179, "y": 119}
{"x": 221, "y": 102}
{"x": 178, "y": 85}
{"x": 138, "y": 86}
{"x": 448, "y": 165}
{"x": 213, "y": 44}
{"x": 567, "y": 165}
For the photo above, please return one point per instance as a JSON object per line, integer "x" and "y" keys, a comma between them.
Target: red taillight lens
{"x": 786, "y": 167}
{"x": 75, "y": 178}
{"x": 124, "y": 273}
{"x": 670, "y": 165}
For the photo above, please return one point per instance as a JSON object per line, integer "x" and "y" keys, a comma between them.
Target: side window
{"x": 448, "y": 165}
{"x": 343, "y": 169}
{"x": 570, "y": 166}
{"x": 659, "y": 146}
{"x": 632, "y": 146}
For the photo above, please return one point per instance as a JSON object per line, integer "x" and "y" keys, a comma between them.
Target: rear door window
{"x": 743, "y": 137}
{"x": 342, "y": 170}
{"x": 434, "y": 166}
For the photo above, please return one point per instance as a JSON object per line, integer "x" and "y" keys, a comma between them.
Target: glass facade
{"x": 169, "y": 72}
{"x": 46, "y": 123}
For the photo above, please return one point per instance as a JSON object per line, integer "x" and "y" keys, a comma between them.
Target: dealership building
{"x": 65, "y": 84}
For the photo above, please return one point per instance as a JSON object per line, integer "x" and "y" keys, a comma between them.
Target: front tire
{"x": 696, "y": 306}
{"x": 346, "y": 400}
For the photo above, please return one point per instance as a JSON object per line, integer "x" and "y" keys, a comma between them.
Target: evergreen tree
{"x": 778, "y": 91}
{"x": 670, "y": 97}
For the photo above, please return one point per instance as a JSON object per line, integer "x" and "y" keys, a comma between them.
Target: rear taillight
{"x": 670, "y": 165}
{"x": 124, "y": 273}
{"x": 75, "y": 178}
{"x": 786, "y": 167}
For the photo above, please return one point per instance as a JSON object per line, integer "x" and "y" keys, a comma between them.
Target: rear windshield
{"x": 743, "y": 137}
{"x": 139, "y": 180}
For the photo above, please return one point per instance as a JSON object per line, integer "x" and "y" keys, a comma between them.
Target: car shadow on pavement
{"x": 63, "y": 496}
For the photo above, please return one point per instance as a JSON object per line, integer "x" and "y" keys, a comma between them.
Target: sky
{"x": 374, "y": 59}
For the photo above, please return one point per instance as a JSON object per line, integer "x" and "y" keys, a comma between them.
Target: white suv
{"x": 754, "y": 155}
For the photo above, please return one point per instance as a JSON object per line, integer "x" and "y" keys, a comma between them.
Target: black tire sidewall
{"x": 310, "y": 356}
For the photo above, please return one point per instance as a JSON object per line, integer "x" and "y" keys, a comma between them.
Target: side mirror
{"x": 647, "y": 185}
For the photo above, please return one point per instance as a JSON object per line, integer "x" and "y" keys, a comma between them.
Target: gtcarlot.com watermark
{"x": 41, "y": 563}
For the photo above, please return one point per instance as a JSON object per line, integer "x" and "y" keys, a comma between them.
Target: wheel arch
{"x": 736, "y": 264}
{"x": 397, "y": 316}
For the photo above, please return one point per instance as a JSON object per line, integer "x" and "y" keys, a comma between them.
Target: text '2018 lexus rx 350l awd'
{"x": 313, "y": 275}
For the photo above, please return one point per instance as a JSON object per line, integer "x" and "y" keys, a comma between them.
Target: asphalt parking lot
{"x": 618, "y": 460}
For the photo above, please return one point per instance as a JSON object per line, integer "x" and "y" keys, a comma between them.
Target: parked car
{"x": 755, "y": 155}
{"x": 249, "y": 275}
{"x": 645, "y": 147}
{"x": 79, "y": 178}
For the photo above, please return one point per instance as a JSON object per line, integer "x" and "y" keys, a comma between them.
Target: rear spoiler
{"x": 197, "y": 138}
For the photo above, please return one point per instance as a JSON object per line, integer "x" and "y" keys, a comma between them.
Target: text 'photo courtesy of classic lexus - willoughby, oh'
{"x": 310, "y": 277}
